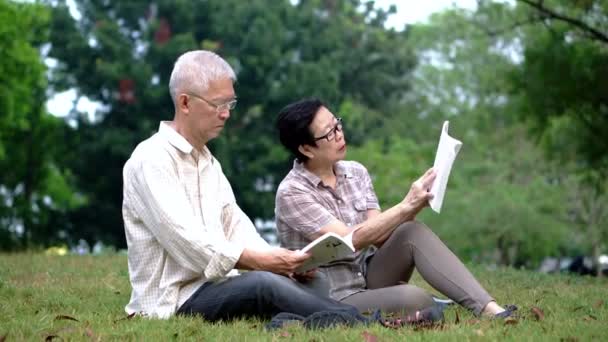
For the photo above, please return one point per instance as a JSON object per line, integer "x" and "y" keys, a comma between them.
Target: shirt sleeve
{"x": 237, "y": 224}
{"x": 370, "y": 195}
{"x": 301, "y": 212}
{"x": 165, "y": 210}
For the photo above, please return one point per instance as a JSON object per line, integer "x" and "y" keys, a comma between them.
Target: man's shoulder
{"x": 152, "y": 150}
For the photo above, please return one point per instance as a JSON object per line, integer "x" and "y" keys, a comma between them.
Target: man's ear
{"x": 183, "y": 103}
{"x": 306, "y": 150}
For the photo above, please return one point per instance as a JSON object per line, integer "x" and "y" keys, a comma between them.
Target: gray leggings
{"x": 413, "y": 244}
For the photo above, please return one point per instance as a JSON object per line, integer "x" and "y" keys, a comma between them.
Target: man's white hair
{"x": 194, "y": 70}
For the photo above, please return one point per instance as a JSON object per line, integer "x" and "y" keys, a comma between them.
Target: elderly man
{"x": 185, "y": 233}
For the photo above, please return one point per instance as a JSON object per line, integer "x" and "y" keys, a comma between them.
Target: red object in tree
{"x": 163, "y": 32}
{"x": 126, "y": 90}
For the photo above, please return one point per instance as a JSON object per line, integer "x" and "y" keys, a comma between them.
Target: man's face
{"x": 209, "y": 110}
{"x": 332, "y": 146}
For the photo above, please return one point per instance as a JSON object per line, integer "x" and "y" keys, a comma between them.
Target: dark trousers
{"x": 257, "y": 293}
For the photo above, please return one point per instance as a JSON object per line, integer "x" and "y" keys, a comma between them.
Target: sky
{"x": 408, "y": 12}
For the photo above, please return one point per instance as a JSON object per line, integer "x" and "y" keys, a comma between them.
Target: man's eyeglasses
{"x": 218, "y": 107}
{"x": 332, "y": 132}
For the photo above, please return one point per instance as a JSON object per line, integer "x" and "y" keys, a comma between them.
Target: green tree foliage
{"x": 495, "y": 73}
{"x": 34, "y": 187}
{"x": 121, "y": 54}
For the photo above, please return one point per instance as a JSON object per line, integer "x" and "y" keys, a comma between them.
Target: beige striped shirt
{"x": 182, "y": 224}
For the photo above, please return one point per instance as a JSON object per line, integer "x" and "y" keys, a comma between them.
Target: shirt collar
{"x": 180, "y": 143}
{"x": 339, "y": 169}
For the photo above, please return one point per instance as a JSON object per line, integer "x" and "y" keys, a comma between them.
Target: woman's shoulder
{"x": 354, "y": 167}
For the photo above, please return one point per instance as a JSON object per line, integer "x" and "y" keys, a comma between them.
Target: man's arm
{"x": 155, "y": 195}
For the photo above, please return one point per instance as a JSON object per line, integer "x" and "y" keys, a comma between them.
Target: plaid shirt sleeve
{"x": 370, "y": 194}
{"x": 301, "y": 211}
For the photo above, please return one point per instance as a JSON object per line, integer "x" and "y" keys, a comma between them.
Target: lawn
{"x": 82, "y": 298}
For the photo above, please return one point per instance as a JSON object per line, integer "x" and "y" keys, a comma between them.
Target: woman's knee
{"x": 412, "y": 297}
{"x": 412, "y": 230}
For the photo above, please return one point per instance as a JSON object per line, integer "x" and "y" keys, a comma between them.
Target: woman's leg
{"x": 413, "y": 244}
{"x": 399, "y": 299}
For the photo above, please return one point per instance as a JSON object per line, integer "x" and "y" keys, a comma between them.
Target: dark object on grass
{"x": 352, "y": 317}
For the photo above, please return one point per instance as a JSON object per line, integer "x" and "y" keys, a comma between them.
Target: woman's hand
{"x": 419, "y": 195}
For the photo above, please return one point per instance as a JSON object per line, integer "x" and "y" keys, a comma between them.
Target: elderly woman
{"x": 324, "y": 193}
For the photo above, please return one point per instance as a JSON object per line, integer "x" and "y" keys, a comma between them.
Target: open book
{"x": 328, "y": 247}
{"x": 446, "y": 153}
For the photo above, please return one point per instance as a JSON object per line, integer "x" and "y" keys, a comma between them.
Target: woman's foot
{"x": 492, "y": 309}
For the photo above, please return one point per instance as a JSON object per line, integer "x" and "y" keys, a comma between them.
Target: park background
{"x": 524, "y": 84}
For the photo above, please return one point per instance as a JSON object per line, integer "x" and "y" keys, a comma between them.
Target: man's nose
{"x": 224, "y": 114}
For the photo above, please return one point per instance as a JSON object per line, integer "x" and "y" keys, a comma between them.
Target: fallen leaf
{"x": 367, "y": 337}
{"x": 285, "y": 334}
{"x": 473, "y": 321}
{"x": 598, "y": 304}
{"x": 510, "y": 321}
{"x": 590, "y": 318}
{"x": 457, "y": 320}
{"x": 479, "y": 332}
{"x": 59, "y": 317}
{"x": 539, "y": 315}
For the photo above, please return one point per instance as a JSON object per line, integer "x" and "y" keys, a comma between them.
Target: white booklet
{"x": 328, "y": 247}
{"x": 446, "y": 153}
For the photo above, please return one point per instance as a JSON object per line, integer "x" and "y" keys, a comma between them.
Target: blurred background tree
{"x": 35, "y": 190}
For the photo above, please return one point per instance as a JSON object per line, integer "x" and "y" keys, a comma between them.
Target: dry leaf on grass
{"x": 598, "y": 304}
{"x": 66, "y": 317}
{"x": 367, "y": 337}
{"x": 590, "y": 318}
{"x": 511, "y": 321}
{"x": 284, "y": 334}
{"x": 538, "y": 313}
{"x": 479, "y": 332}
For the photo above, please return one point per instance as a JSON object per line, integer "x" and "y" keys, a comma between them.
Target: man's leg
{"x": 414, "y": 245}
{"x": 399, "y": 299}
{"x": 261, "y": 294}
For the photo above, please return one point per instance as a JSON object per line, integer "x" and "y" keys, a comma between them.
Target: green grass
{"x": 39, "y": 294}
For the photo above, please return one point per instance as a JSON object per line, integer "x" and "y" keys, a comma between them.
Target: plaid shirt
{"x": 304, "y": 205}
{"x": 182, "y": 223}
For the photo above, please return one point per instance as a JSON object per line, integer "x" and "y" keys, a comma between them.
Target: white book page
{"x": 325, "y": 249}
{"x": 446, "y": 153}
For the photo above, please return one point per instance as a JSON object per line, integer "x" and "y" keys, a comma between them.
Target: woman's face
{"x": 327, "y": 130}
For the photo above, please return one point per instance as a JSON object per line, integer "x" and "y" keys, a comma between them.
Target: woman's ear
{"x": 306, "y": 150}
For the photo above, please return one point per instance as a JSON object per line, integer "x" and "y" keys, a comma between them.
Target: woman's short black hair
{"x": 293, "y": 124}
